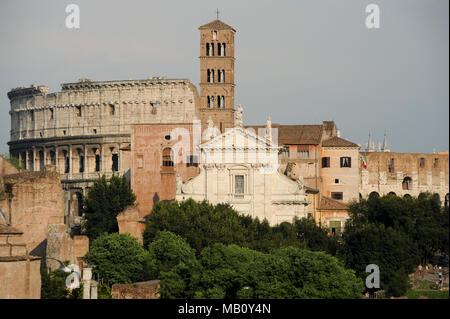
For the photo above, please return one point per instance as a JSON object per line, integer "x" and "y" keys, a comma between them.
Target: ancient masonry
{"x": 85, "y": 129}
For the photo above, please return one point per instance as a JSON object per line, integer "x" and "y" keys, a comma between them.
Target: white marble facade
{"x": 241, "y": 169}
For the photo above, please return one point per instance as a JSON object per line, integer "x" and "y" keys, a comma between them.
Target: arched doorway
{"x": 407, "y": 183}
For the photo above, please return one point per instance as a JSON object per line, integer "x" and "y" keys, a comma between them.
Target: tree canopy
{"x": 203, "y": 224}
{"x": 105, "y": 200}
{"x": 396, "y": 234}
{"x": 118, "y": 258}
{"x": 230, "y": 271}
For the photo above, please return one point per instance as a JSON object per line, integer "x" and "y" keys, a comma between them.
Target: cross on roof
{"x": 217, "y": 12}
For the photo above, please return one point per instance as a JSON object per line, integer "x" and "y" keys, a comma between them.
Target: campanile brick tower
{"x": 217, "y": 74}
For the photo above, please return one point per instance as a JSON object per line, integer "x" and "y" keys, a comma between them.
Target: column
{"x": 87, "y": 276}
{"x": 94, "y": 290}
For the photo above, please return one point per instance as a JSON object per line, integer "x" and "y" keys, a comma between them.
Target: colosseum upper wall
{"x": 85, "y": 130}
{"x": 95, "y": 108}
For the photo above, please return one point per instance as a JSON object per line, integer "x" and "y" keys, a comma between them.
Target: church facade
{"x": 240, "y": 168}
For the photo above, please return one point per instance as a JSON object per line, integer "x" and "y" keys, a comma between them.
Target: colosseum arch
{"x": 374, "y": 195}
{"x": 392, "y": 193}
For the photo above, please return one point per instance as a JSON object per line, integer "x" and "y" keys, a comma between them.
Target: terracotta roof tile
{"x": 216, "y": 25}
{"x": 327, "y": 203}
{"x": 338, "y": 142}
{"x": 295, "y": 134}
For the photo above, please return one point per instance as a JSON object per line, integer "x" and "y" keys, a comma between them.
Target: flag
{"x": 364, "y": 161}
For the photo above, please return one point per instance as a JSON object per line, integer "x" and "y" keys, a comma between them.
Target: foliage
{"x": 105, "y": 200}
{"x": 167, "y": 251}
{"x": 53, "y": 284}
{"x": 236, "y": 272}
{"x": 13, "y": 160}
{"x": 118, "y": 258}
{"x": 104, "y": 291}
{"x": 203, "y": 225}
{"x": 396, "y": 234}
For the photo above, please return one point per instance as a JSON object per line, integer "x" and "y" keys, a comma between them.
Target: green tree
{"x": 167, "y": 251}
{"x": 203, "y": 225}
{"x": 118, "y": 258}
{"x": 53, "y": 284}
{"x": 314, "y": 237}
{"x": 236, "y": 272}
{"x": 105, "y": 200}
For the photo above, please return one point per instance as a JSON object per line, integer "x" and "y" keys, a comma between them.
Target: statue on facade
{"x": 239, "y": 113}
{"x": 210, "y": 123}
{"x": 179, "y": 183}
{"x": 268, "y": 130}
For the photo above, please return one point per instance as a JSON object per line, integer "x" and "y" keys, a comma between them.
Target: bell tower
{"x": 217, "y": 74}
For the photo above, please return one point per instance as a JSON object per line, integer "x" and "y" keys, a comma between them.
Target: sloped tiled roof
{"x": 327, "y": 203}
{"x": 295, "y": 134}
{"x": 338, "y": 142}
{"x": 216, "y": 25}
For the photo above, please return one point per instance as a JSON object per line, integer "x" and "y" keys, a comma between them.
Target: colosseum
{"x": 85, "y": 130}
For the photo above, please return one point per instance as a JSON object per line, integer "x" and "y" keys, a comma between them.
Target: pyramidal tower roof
{"x": 216, "y": 25}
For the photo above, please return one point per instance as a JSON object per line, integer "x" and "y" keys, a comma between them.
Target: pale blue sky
{"x": 299, "y": 62}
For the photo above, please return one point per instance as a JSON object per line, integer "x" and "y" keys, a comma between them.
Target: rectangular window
{"x": 436, "y": 163}
{"x": 239, "y": 184}
{"x": 325, "y": 162}
{"x": 140, "y": 161}
{"x": 192, "y": 161}
{"x": 41, "y": 161}
{"x": 421, "y": 162}
{"x": 67, "y": 165}
{"x": 346, "y": 161}
{"x": 97, "y": 163}
{"x": 337, "y": 195}
{"x": 81, "y": 164}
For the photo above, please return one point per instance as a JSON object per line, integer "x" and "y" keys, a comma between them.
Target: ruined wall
{"x": 129, "y": 222}
{"x": 6, "y": 167}
{"x": 32, "y": 201}
{"x": 405, "y": 174}
{"x": 64, "y": 248}
{"x": 141, "y": 290}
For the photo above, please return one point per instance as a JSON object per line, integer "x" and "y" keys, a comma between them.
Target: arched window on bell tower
{"x": 212, "y": 76}
{"x": 208, "y": 75}
{"x": 207, "y": 49}
{"x": 223, "y": 50}
{"x": 211, "y": 49}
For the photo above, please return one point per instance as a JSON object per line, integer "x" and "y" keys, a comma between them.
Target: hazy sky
{"x": 297, "y": 61}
